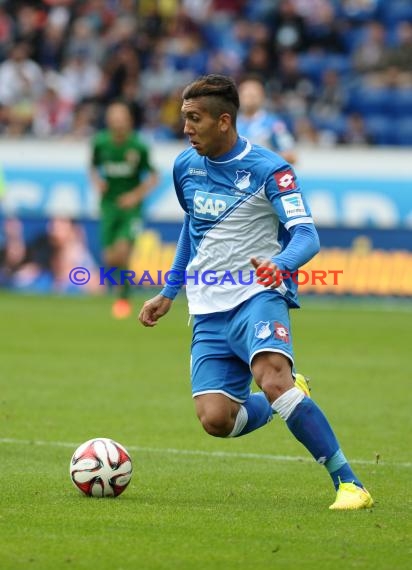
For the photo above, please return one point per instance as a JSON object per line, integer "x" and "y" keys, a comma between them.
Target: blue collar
{"x": 236, "y": 149}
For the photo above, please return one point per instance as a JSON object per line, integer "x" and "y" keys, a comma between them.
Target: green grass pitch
{"x": 69, "y": 373}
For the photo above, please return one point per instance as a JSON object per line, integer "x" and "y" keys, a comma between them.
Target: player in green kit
{"x": 124, "y": 176}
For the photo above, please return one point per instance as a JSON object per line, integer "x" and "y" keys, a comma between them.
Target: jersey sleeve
{"x": 283, "y": 191}
{"x": 304, "y": 245}
{"x": 178, "y": 187}
{"x": 182, "y": 256}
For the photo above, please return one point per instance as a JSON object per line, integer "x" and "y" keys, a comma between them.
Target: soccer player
{"x": 123, "y": 174}
{"x": 261, "y": 126}
{"x": 244, "y": 208}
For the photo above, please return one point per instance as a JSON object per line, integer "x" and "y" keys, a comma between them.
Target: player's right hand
{"x": 153, "y": 309}
{"x": 267, "y": 272}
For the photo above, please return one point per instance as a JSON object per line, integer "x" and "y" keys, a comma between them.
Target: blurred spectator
{"x": 53, "y": 114}
{"x": 6, "y": 32}
{"x": 305, "y": 132}
{"x": 370, "y": 56}
{"x": 83, "y": 39}
{"x": 307, "y": 52}
{"x": 330, "y": 97}
{"x": 290, "y": 29}
{"x": 355, "y": 132}
{"x": 12, "y": 249}
{"x": 120, "y": 68}
{"x": 98, "y": 13}
{"x": 130, "y": 94}
{"x": 296, "y": 88}
{"x": 28, "y": 29}
{"x": 81, "y": 78}
{"x": 59, "y": 12}
{"x": 170, "y": 117}
{"x": 312, "y": 10}
{"x": 197, "y": 10}
{"x": 69, "y": 249}
{"x": 189, "y": 52}
{"x": 21, "y": 85}
{"x": 324, "y": 32}
{"x": 157, "y": 82}
{"x": 51, "y": 49}
{"x": 400, "y": 55}
{"x": 259, "y": 61}
{"x": 259, "y": 125}
{"x": 43, "y": 264}
{"x": 230, "y": 48}
{"x": 85, "y": 121}
{"x": 360, "y": 10}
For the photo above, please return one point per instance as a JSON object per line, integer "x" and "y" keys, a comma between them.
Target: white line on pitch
{"x": 226, "y": 454}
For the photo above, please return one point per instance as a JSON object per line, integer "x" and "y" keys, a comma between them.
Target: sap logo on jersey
{"x": 209, "y": 206}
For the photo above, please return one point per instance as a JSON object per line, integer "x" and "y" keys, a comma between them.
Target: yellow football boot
{"x": 302, "y": 382}
{"x": 350, "y": 497}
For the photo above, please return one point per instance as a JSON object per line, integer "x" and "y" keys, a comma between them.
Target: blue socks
{"x": 340, "y": 470}
{"x": 310, "y": 426}
{"x": 254, "y": 413}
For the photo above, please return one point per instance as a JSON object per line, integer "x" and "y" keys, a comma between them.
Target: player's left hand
{"x": 267, "y": 272}
{"x": 129, "y": 200}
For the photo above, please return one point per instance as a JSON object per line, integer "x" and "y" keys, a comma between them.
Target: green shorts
{"x": 118, "y": 224}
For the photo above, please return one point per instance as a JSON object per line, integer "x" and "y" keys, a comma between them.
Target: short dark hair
{"x": 221, "y": 92}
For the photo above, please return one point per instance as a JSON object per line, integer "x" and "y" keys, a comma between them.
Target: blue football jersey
{"x": 240, "y": 206}
{"x": 266, "y": 129}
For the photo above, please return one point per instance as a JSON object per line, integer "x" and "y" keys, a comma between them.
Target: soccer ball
{"x": 101, "y": 467}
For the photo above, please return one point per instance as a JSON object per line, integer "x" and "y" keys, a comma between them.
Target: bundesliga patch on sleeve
{"x": 293, "y": 205}
{"x": 285, "y": 180}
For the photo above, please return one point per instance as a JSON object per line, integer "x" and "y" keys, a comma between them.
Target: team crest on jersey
{"x": 242, "y": 179}
{"x": 281, "y": 332}
{"x": 262, "y": 330}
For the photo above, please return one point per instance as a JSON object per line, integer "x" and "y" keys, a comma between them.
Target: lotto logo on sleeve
{"x": 281, "y": 332}
{"x": 285, "y": 180}
{"x": 293, "y": 205}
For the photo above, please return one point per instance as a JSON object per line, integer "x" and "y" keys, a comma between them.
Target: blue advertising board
{"x": 341, "y": 201}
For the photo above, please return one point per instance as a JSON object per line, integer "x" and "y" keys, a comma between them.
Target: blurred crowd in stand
{"x": 337, "y": 71}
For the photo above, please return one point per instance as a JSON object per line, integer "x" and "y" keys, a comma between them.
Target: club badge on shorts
{"x": 262, "y": 330}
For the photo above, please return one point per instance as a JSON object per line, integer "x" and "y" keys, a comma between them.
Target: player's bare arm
{"x": 137, "y": 195}
{"x": 154, "y": 309}
{"x": 290, "y": 156}
{"x": 98, "y": 182}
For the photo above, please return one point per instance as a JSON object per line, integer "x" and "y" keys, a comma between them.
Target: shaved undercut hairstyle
{"x": 220, "y": 92}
